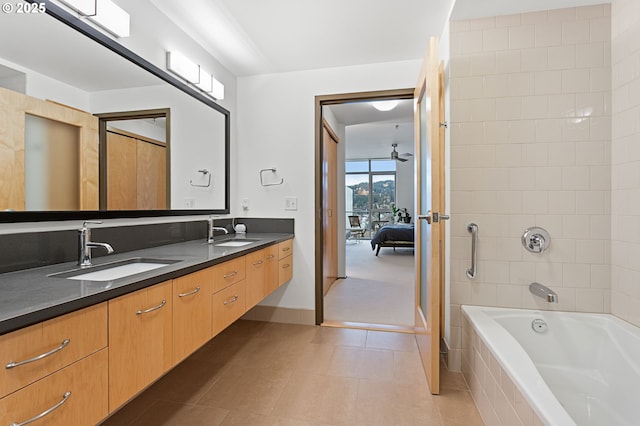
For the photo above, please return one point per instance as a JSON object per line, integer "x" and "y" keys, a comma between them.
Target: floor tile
{"x": 319, "y": 398}
{"x": 393, "y": 341}
{"x": 257, "y": 373}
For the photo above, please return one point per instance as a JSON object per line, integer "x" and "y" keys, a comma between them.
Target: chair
{"x": 356, "y": 229}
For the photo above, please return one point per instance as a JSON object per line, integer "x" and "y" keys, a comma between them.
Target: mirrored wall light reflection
{"x": 194, "y": 74}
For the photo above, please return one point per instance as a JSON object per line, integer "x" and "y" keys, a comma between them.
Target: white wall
{"x": 405, "y": 186}
{"x": 530, "y": 146}
{"x": 625, "y": 296}
{"x": 276, "y": 129}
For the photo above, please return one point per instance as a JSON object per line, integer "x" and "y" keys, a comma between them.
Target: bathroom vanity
{"x": 97, "y": 344}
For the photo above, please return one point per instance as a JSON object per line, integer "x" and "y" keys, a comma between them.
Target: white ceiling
{"x": 267, "y": 36}
{"x": 369, "y": 133}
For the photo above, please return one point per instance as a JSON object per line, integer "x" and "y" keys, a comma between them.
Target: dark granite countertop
{"x": 34, "y": 295}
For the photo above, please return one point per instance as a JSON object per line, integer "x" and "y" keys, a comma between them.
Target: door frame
{"x": 320, "y": 101}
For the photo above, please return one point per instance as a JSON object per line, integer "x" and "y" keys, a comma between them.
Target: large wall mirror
{"x": 63, "y": 84}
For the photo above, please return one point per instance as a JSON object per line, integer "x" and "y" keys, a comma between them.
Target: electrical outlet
{"x": 245, "y": 204}
{"x": 189, "y": 203}
{"x": 291, "y": 203}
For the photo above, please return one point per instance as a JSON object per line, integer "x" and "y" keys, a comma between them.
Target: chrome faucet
{"x": 211, "y": 228}
{"x": 544, "y": 292}
{"x": 85, "y": 244}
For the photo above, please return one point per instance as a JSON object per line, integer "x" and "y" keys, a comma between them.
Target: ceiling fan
{"x": 399, "y": 157}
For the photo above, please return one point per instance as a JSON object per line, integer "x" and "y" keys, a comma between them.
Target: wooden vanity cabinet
{"x": 271, "y": 257}
{"x": 79, "y": 392}
{"x": 228, "y": 305}
{"x": 191, "y": 312}
{"x": 285, "y": 261}
{"x": 255, "y": 263}
{"x": 44, "y": 362}
{"x": 140, "y": 341}
{"x": 66, "y": 339}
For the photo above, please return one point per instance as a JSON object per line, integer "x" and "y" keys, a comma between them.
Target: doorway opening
{"x": 375, "y": 187}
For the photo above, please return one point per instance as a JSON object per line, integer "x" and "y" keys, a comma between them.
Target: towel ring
{"x": 206, "y": 173}
{"x": 272, "y": 170}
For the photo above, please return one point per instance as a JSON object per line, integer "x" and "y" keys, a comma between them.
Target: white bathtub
{"x": 584, "y": 370}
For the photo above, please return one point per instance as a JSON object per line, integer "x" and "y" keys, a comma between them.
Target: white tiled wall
{"x": 625, "y": 294}
{"x": 531, "y": 146}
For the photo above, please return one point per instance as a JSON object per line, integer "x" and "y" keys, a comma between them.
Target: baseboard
{"x": 284, "y": 315}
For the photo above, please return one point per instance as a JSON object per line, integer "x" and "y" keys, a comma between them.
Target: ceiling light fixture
{"x": 193, "y": 73}
{"x": 183, "y": 67}
{"x": 385, "y": 105}
{"x": 104, "y": 13}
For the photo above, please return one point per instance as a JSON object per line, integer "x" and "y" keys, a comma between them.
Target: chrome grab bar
{"x": 471, "y": 272}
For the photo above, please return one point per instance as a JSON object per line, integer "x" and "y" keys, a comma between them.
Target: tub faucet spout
{"x": 544, "y": 292}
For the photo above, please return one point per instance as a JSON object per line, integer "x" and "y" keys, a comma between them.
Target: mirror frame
{"x": 87, "y": 30}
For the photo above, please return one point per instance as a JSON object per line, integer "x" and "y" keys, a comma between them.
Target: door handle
{"x": 434, "y": 217}
{"x": 426, "y": 217}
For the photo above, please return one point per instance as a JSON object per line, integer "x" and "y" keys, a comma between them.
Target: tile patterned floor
{"x": 257, "y": 373}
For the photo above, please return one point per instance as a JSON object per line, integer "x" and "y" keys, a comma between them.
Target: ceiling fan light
{"x": 385, "y": 105}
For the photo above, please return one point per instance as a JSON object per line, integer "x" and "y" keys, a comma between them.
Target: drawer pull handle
{"x": 230, "y": 301}
{"x": 259, "y": 262}
{"x": 271, "y": 256}
{"x": 155, "y": 308}
{"x": 232, "y": 274}
{"x": 189, "y": 293}
{"x": 286, "y": 249}
{"x": 65, "y": 397}
{"x": 286, "y": 265}
{"x": 63, "y": 345}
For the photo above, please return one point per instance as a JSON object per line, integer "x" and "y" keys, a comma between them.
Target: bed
{"x": 395, "y": 235}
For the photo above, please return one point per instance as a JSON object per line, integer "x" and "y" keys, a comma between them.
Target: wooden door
{"x": 329, "y": 208}
{"x": 429, "y": 199}
{"x": 122, "y": 172}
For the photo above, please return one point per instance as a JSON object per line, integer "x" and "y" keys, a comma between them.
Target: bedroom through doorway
{"x": 375, "y": 287}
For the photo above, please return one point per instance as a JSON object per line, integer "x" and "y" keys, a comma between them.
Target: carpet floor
{"x": 377, "y": 290}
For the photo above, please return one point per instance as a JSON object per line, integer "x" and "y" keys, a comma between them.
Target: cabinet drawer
{"x": 285, "y": 249}
{"x": 82, "y": 386}
{"x": 228, "y": 305}
{"x": 228, "y": 273}
{"x": 285, "y": 269}
{"x": 43, "y": 348}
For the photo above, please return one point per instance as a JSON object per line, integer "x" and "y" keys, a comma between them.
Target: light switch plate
{"x": 291, "y": 203}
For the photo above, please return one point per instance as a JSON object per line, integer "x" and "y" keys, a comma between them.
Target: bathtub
{"x": 553, "y": 368}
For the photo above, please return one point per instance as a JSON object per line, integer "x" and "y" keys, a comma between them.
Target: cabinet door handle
{"x": 230, "y": 301}
{"x": 286, "y": 249}
{"x": 65, "y": 397}
{"x": 232, "y": 274}
{"x": 271, "y": 256}
{"x": 286, "y": 265}
{"x": 155, "y": 308}
{"x": 189, "y": 293}
{"x": 14, "y": 364}
{"x": 259, "y": 262}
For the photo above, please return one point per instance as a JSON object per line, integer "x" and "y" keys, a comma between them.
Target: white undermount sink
{"x": 116, "y": 270}
{"x": 238, "y": 242}
{"x": 234, "y": 243}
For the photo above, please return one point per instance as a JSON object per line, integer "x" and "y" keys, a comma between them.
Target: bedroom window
{"x": 370, "y": 192}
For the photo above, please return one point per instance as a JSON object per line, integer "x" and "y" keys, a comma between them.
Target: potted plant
{"x": 403, "y": 215}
